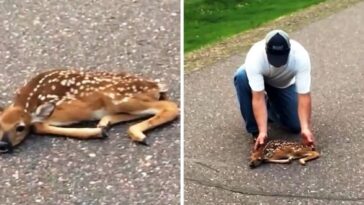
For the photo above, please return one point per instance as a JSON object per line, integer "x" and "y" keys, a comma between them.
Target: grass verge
{"x": 208, "y": 21}
{"x": 239, "y": 43}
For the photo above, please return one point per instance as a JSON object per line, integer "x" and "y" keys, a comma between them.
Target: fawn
{"x": 58, "y": 98}
{"x": 279, "y": 151}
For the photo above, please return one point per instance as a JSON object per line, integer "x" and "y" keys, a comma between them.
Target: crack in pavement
{"x": 257, "y": 193}
{"x": 205, "y": 165}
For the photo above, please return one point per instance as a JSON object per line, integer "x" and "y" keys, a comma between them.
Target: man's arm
{"x": 260, "y": 114}
{"x": 304, "y": 114}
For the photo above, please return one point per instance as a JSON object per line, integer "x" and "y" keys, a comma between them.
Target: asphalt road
{"x": 217, "y": 147}
{"x": 138, "y": 36}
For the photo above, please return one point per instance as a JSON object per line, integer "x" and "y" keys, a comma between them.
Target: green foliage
{"x": 208, "y": 21}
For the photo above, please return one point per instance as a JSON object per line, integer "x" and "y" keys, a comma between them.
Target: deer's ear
{"x": 42, "y": 112}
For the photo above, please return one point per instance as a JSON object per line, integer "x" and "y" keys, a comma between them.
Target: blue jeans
{"x": 282, "y": 104}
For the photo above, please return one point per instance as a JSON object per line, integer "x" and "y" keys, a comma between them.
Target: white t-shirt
{"x": 297, "y": 70}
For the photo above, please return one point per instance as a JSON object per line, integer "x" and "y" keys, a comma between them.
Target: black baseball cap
{"x": 277, "y": 47}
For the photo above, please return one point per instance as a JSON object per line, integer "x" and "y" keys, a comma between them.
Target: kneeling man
{"x": 274, "y": 84}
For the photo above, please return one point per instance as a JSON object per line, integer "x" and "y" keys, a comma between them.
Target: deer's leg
{"x": 283, "y": 161}
{"x": 113, "y": 119}
{"x": 79, "y": 133}
{"x": 280, "y": 157}
{"x": 309, "y": 156}
{"x": 164, "y": 111}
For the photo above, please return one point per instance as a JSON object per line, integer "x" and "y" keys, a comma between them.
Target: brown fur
{"x": 57, "y": 98}
{"x": 279, "y": 151}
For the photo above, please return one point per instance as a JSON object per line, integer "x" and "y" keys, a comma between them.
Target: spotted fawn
{"x": 279, "y": 151}
{"x": 58, "y": 98}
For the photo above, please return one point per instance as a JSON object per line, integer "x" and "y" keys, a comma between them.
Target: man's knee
{"x": 240, "y": 78}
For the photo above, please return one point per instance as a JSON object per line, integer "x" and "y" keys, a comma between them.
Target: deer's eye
{"x": 20, "y": 128}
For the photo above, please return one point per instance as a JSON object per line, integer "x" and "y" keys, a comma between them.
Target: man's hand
{"x": 308, "y": 138}
{"x": 260, "y": 140}
{"x": 304, "y": 113}
{"x": 260, "y": 114}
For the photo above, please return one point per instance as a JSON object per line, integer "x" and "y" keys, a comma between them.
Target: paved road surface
{"x": 217, "y": 148}
{"x": 139, "y": 36}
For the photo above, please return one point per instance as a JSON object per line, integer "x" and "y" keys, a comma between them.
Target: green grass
{"x": 208, "y": 21}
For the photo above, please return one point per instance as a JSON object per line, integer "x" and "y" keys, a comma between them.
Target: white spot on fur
{"x": 60, "y": 102}
{"x": 64, "y": 82}
{"x": 111, "y": 95}
{"x": 49, "y": 96}
{"x": 41, "y": 97}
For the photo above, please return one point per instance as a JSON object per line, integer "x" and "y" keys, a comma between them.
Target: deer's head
{"x": 256, "y": 157}
{"x": 15, "y": 124}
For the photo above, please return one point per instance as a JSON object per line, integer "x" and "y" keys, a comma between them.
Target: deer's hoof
{"x": 104, "y": 132}
{"x": 144, "y": 142}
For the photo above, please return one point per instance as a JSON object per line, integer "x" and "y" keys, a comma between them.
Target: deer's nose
{"x": 5, "y": 147}
{"x": 252, "y": 164}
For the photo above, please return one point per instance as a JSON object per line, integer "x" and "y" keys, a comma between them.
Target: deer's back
{"x": 67, "y": 86}
{"x": 279, "y": 146}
